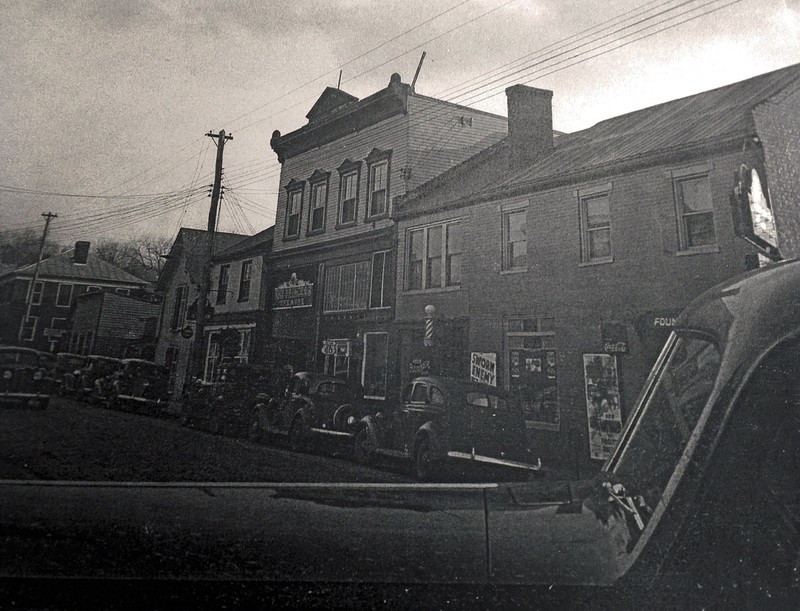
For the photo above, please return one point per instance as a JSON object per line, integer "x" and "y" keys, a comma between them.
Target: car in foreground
{"x": 313, "y": 404}
{"x": 228, "y": 405}
{"x": 140, "y": 386}
{"x": 441, "y": 419}
{"x": 697, "y": 507}
{"x": 24, "y": 377}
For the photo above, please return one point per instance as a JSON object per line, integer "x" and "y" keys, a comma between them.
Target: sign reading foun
{"x": 294, "y": 293}
{"x": 483, "y": 367}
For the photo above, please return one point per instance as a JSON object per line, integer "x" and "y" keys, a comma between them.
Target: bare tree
{"x": 19, "y": 248}
{"x": 141, "y": 255}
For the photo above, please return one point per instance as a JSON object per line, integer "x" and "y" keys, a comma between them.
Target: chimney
{"x": 81, "y": 252}
{"x": 530, "y": 123}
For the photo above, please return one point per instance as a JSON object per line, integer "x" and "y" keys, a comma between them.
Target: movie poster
{"x": 603, "y": 407}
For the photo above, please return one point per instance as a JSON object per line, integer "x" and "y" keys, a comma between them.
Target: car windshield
{"x": 669, "y": 411}
{"x": 9, "y": 357}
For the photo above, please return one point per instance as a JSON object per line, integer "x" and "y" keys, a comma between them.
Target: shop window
{"x": 374, "y": 375}
{"x": 64, "y": 296}
{"x": 595, "y": 219}
{"x": 347, "y": 287}
{"x": 533, "y": 369}
{"x": 381, "y": 285}
{"x": 222, "y": 284}
{"x": 434, "y": 257}
{"x": 515, "y": 240}
{"x": 244, "y": 280}
{"x": 694, "y": 212}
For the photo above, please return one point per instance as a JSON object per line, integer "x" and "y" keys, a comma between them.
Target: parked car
{"x": 227, "y": 406}
{"x": 139, "y": 385}
{"x": 311, "y": 404}
{"x": 25, "y": 378}
{"x": 442, "y": 419}
{"x": 68, "y": 371}
{"x": 95, "y": 381}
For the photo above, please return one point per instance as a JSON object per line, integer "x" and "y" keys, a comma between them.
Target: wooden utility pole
{"x": 48, "y": 216}
{"x": 205, "y": 280}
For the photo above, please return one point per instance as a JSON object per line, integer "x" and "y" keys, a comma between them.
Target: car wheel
{"x": 424, "y": 464}
{"x": 364, "y": 448}
{"x": 297, "y": 436}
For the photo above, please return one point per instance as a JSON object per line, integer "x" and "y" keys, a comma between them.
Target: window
{"x": 381, "y": 281}
{"x": 179, "y": 307}
{"x": 36, "y": 295}
{"x": 222, "y": 284}
{"x": 29, "y": 328}
{"x": 244, "y": 280}
{"x": 64, "y": 296}
{"x": 515, "y": 240}
{"x": 319, "y": 200}
{"x": 595, "y": 228}
{"x": 373, "y": 379}
{"x": 347, "y": 287}
{"x": 348, "y": 192}
{"x": 294, "y": 206}
{"x": 434, "y": 257}
{"x": 58, "y": 323}
{"x": 93, "y": 289}
{"x": 122, "y": 291}
{"x": 695, "y": 212}
{"x": 420, "y": 393}
{"x": 378, "y": 189}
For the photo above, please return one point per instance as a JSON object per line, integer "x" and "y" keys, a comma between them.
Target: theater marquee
{"x": 294, "y": 293}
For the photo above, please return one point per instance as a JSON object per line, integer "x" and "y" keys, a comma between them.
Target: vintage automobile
{"x": 95, "y": 379}
{"x": 697, "y": 507}
{"x": 443, "y": 418}
{"x": 140, "y": 386}
{"x": 311, "y": 404}
{"x": 68, "y": 371}
{"x": 228, "y": 405}
{"x": 25, "y": 378}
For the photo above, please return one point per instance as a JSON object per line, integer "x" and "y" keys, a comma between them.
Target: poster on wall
{"x": 533, "y": 377}
{"x": 483, "y": 367}
{"x": 603, "y": 409}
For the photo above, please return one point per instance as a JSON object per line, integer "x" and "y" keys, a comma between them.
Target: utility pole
{"x": 48, "y": 216}
{"x": 205, "y": 280}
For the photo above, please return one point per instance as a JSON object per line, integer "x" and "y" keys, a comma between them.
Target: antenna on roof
{"x": 339, "y": 84}
{"x": 419, "y": 67}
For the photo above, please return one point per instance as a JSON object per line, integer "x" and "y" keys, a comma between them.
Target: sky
{"x": 106, "y": 103}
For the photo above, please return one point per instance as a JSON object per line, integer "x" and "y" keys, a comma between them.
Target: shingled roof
{"x": 63, "y": 267}
{"x": 643, "y": 136}
{"x": 190, "y": 246}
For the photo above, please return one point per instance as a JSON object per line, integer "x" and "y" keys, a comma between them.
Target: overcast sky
{"x": 113, "y": 98}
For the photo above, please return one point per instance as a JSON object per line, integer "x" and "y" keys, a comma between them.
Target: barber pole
{"x": 430, "y": 314}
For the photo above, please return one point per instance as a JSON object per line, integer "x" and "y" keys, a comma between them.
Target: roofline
{"x": 460, "y": 106}
{"x": 330, "y": 244}
{"x": 674, "y": 154}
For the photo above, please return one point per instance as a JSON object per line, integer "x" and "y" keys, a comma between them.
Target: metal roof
{"x": 62, "y": 267}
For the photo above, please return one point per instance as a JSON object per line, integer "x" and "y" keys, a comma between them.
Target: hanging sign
{"x": 294, "y": 293}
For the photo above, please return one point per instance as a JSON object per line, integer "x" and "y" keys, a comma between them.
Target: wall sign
{"x": 603, "y": 410}
{"x": 615, "y": 337}
{"x": 483, "y": 367}
{"x": 294, "y": 293}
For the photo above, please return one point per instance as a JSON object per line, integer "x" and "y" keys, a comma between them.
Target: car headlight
{"x": 351, "y": 421}
{"x": 77, "y": 372}
{"x": 7, "y": 374}
{"x": 37, "y": 375}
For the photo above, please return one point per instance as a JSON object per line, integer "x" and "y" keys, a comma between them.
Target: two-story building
{"x": 239, "y": 328}
{"x": 59, "y": 281}
{"x": 178, "y": 282}
{"x": 333, "y": 266}
{"x": 580, "y": 249}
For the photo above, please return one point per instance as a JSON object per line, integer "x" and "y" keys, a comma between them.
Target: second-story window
{"x": 64, "y": 296}
{"x": 36, "y": 295}
{"x": 595, "y": 215}
{"x": 294, "y": 206}
{"x": 179, "y": 306}
{"x": 381, "y": 280}
{"x": 348, "y": 192}
{"x": 222, "y": 285}
{"x": 695, "y": 212}
{"x": 319, "y": 202}
{"x": 244, "y": 280}
{"x": 515, "y": 240}
{"x": 433, "y": 257}
{"x": 378, "y": 183}
{"x": 347, "y": 287}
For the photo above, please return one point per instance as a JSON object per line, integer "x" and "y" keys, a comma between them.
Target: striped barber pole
{"x": 428, "y": 341}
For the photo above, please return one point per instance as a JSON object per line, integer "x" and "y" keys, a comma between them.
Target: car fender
{"x": 430, "y": 431}
{"x": 341, "y": 415}
{"x": 374, "y": 430}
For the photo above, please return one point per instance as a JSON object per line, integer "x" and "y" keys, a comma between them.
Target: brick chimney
{"x": 81, "y": 252}
{"x": 530, "y": 123}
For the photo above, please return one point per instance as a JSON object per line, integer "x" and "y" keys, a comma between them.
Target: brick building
{"x": 61, "y": 279}
{"x": 579, "y": 249}
{"x": 332, "y": 260}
